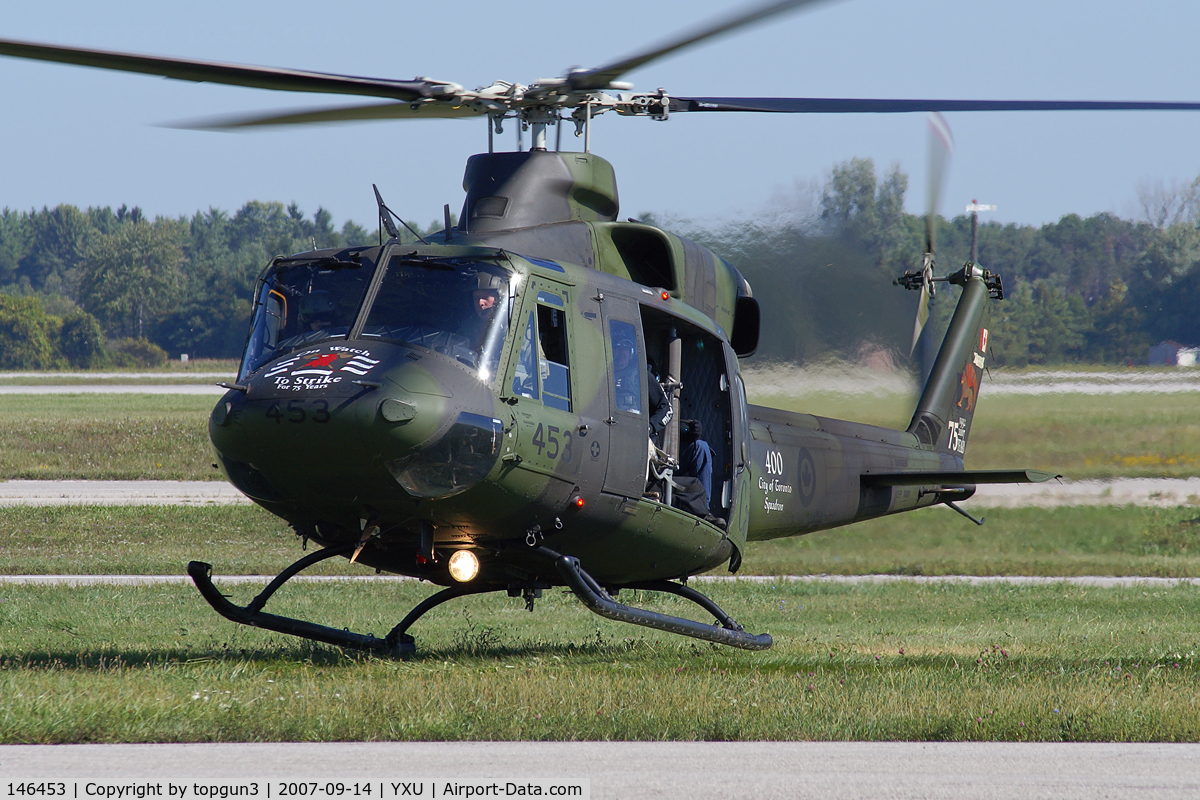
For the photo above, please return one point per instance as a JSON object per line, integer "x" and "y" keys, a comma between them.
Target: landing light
{"x": 464, "y": 566}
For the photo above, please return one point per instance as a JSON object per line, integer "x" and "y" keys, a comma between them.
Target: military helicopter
{"x": 498, "y": 407}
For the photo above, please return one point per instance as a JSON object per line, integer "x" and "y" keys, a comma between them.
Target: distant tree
{"x": 1164, "y": 205}
{"x": 1117, "y": 334}
{"x": 27, "y": 335}
{"x": 134, "y": 276}
{"x": 56, "y": 240}
{"x": 859, "y": 209}
{"x": 13, "y": 235}
{"x": 135, "y": 352}
{"x": 81, "y": 340}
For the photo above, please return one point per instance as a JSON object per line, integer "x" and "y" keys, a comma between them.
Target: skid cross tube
{"x": 600, "y": 602}
{"x": 399, "y": 637}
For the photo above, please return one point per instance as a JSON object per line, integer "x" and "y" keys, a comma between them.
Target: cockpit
{"x": 459, "y": 307}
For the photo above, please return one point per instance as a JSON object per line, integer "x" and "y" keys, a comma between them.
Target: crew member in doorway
{"x": 627, "y": 374}
{"x": 696, "y": 460}
{"x": 694, "y": 478}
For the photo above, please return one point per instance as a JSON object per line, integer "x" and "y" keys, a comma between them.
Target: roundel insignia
{"x": 808, "y": 477}
{"x": 595, "y": 449}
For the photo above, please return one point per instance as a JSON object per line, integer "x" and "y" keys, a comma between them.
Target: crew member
{"x": 696, "y": 460}
{"x": 627, "y": 380}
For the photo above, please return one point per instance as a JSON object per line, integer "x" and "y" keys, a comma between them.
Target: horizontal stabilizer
{"x": 956, "y": 477}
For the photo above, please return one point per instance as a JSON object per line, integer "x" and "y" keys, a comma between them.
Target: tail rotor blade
{"x": 941, "y": 146}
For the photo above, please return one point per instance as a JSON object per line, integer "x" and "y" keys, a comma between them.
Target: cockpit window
{"x": 300, "y": 304}
{"x": 457, "y": 307}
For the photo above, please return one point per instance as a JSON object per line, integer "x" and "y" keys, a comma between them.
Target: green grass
{"x": 1073, "y": 540}
{"x": 165, "y": 437}
{"x": 879, "y": 662}
{"x": 105, "y": 437}
{"x": 245, "y": 540}
{"x": 1082, "y": 436}
{"x": 171, "y": 368}
{"x": 872, "y": 662}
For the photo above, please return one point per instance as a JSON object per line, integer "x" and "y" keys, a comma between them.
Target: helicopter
{"x": 503, "y": 406}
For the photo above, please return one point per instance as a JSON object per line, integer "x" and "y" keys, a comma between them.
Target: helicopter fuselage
{"x": 395, "y": 420}
{"x": 485, "y": 420}
{"x": 376, "y": 403}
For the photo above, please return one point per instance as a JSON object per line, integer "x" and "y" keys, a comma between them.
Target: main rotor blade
{"x": 310, "y": 116}
{"x": 849, "y": 105}
{"x": 290, "y": 80}
{"x": 599, "y": 78}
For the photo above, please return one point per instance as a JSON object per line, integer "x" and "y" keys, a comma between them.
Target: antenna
{"x": 386, "y": 221}
{"x": 975, "y": 207}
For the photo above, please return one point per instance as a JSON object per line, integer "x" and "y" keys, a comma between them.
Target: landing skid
{"x": 599, "y": 601}
{"x": 398, "y": 642}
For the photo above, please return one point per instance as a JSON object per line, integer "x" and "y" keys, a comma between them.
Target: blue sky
{"x": 91, "y": 137}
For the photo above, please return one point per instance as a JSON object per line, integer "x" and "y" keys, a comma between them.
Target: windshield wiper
{"x": 355, "y": 261}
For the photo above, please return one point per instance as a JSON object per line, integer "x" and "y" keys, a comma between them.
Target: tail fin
{"x": 942, "y": 420}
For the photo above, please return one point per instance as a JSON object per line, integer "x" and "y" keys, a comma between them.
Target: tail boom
{"x": 943, "y": 417}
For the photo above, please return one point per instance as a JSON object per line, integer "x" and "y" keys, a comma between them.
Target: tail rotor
{"x": 941, "y": 147}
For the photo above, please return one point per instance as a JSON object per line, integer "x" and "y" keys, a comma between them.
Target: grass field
{"x": 873, "y": 662}
{"x": 245, "y": 540}
{"x": 105, "y": 437}
{"x": 942, "y": 661}
{"x": 130, "y": 436}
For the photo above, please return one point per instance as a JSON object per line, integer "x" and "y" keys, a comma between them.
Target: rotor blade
{"x": 309, "y": 116}
{"x": 922, "y": 317}
{"x": 599, "y": 78}
{"x": 941, "y": 147}
{"x": 290, "y": 80}
{"x": 849, "y": 105}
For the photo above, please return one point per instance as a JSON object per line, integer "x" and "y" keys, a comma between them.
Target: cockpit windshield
{"x": 302, "y": 303}
{"x": 459, "y": 307}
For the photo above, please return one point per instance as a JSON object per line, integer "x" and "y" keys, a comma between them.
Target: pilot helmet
{"x": 488, "y": 281}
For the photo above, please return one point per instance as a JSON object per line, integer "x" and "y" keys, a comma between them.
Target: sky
{"x": 97, "y": 138}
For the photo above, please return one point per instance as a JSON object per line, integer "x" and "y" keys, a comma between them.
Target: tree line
{"x": 1097, "y": 290}
{"x": 98, "y": 287}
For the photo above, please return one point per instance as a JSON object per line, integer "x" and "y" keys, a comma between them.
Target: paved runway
{"x": 1160, "y": 492}
{"x": 691, "y": 771}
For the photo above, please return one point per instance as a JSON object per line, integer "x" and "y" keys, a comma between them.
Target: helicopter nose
{"x": 406, "y": 425}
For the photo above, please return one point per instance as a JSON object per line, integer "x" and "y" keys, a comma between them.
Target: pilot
{"x": 484, "y": 300}
{"x": 317, "y": 311}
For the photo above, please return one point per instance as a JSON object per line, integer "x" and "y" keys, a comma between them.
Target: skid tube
{"x": 253, "y": 615}
{"x": 397, "y": 643}
{"x": 600, "y": 602}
